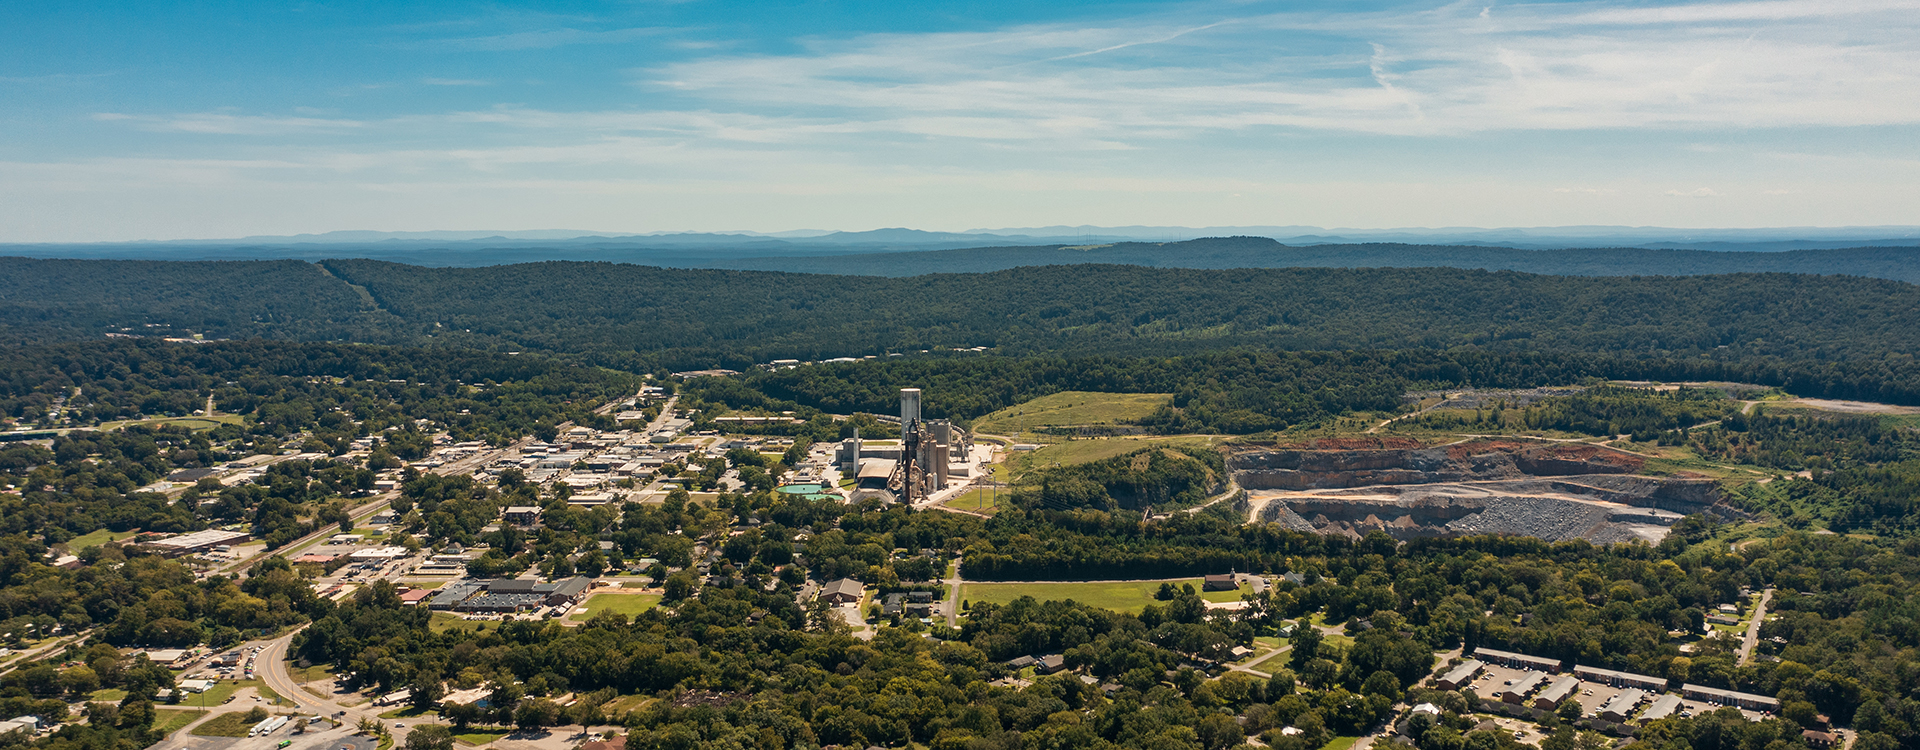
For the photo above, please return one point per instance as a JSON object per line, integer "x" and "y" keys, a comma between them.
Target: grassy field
{"x": 1071, "y": 408}
{"x": 1341, "y": 743}
{"x": 619, "y": 706}
{"x": 476, "y": 737}
{"x": 977, "y": 501}
{"x": 108, "y": 695}
{"x": 96, "y": 538}
{"x": 191, "y": 423}
{"x": 229, "y": 724}
{"x": 1119, "y": 596}
{"x": 167, "y": 721}
{"x": 625, "y": 604}
{"x": 1081, "y": 451}
{"x": 445, "y": 621}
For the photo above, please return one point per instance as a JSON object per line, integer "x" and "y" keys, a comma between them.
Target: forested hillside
{"x": 1899, "y": 263}
{"x": 1775, "y": 328}
{"x": 50, "y": 300}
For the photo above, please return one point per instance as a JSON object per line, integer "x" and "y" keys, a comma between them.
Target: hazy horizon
{"x": 161, "y": 120}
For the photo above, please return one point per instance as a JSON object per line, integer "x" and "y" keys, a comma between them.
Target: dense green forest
{"x": 1842, "y": 336}
{"x": 334, "y": 392}
{"x": 1244, "y": 392}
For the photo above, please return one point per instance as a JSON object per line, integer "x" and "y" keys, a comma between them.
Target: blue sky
{"x": 159, "y": 120}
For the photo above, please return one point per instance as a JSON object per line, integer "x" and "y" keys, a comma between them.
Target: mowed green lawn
{"x": 625, "y": 604}
{"x": 1071, "y": 408}
{"x": 96, "y": 538}
{"x": 978, "y": 501}
{"x": 1119, "y": 596}
{"x": 167, "y": 721}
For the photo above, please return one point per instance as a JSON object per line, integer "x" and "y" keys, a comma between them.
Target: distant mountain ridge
{"x": 1896, "y": 263}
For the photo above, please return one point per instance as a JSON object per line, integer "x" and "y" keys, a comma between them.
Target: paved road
{"x": 953, "y": 583}
{"x": 1753, "y": 629}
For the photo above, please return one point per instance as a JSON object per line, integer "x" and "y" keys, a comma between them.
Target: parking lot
{"x": 1591, "y": 694}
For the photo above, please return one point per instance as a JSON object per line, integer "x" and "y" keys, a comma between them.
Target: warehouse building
{"x": 199, "y": 541}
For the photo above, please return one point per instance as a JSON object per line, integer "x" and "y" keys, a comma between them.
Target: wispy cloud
{"x": 1431, "y": 72}
{"x": 230, "y": 124}
{"x": 543, "y": 39}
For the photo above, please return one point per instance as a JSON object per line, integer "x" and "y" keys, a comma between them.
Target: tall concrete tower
{"x": 909, "y": 406}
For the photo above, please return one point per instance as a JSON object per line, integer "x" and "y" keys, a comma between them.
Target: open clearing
{"x": 1072, "y": 409}
{"x": 229, "y": 724}
{"x": 1119, "y": 596}
{"x": 1847, "y": 407}
{"x": 983, "y": 501}
{"x": 1081, "y": 451}
{"x": 96, "y": 538}
{"x": 622, "y": 604}
{"x": 168, "y": 721}
{"x": 191, "y": 423}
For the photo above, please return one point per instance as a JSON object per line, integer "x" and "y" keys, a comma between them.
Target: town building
{"x": 1461, "y": 675}
{"x": 1620, "y": 679}
{"x": 1567, "y": 686}
{"x": 199, "y": 541}
{"x": 1517, "y": 692}
{"x": 1736, "y": 698}
{"x": 521, "y": 515}
{"x": 843, "y": 591}
{"x": 1517, "y": 661}
{"x": 1663, "y": 707}
{"x": 1618, "y": 708}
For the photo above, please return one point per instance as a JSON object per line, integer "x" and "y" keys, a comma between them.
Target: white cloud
{"x": 1704, "y": 192}
{"x": 543, "y": 39}
{"x": 226, "y": 124}
{"x": 1439, "y": 72}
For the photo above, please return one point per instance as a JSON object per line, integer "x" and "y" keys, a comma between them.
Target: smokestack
{"x": 909, "y": 406}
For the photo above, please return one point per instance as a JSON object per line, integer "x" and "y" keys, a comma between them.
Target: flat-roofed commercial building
{"x": 199, "y": 541}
